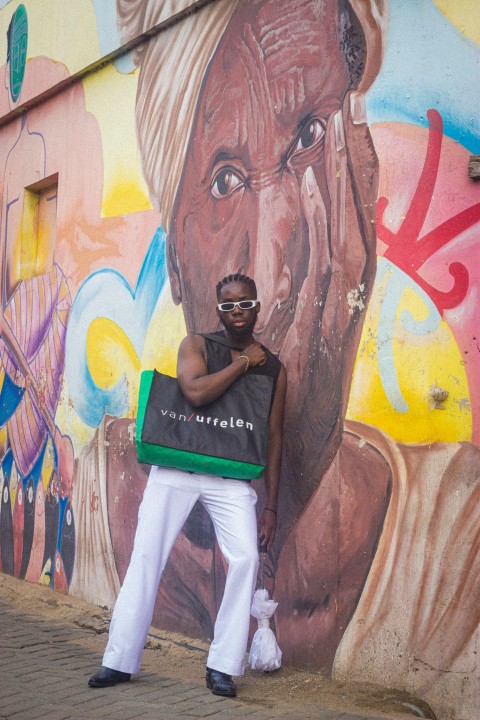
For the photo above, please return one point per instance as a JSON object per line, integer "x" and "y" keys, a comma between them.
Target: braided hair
{"x": 236, "y": 277}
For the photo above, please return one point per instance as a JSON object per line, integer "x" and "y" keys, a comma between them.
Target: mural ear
{"x": 373, "y": 17}
{"x": 174, "y": 273}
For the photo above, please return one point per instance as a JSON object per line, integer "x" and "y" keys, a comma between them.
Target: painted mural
{"x": 322, "y": 148}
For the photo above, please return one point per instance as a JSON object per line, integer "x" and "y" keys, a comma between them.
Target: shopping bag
{"x": 264, "y": 652}
{"x": 226, "y": 438}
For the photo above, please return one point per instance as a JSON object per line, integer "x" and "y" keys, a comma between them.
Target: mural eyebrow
{"x": 222, "y": 156}
{"x": 328, "y": 104}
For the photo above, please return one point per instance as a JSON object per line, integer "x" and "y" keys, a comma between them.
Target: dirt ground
{"x": 172, "y": 654}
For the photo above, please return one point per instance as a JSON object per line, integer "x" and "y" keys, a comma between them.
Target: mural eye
{"x": 225, "y": 182}
{"x": 311, "y": 135}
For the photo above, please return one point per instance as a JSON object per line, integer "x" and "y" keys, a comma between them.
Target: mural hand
{"x": 351, "y": 167}
{"x": 323, "y": 340}
{"x": 296, "y": 351}
{"x": 352, "y": 171}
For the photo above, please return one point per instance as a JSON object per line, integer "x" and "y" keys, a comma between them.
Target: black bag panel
{"x": 233, "y": 427}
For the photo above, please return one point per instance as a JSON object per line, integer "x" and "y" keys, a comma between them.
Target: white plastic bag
{"x": 264, "y": 652}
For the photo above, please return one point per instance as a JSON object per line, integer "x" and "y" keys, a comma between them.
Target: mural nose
{"x": 272, "y": 294}
{"x": 272, "y": 262}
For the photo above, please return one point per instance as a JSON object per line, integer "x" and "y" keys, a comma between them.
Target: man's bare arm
{"x": 197, "y": 385}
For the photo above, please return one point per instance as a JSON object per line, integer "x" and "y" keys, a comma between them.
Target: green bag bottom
{"x": 193, "y": 462}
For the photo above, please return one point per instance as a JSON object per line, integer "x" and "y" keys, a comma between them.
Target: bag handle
{"x": 221, "y": 340}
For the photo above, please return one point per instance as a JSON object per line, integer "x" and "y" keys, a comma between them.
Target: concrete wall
{"x": 324, "y": 151}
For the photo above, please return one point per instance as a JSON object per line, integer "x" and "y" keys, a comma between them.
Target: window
{"x": 39, "y": 228}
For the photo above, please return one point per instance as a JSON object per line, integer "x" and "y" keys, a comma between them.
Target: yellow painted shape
{"x": 122, "y": 195}
{"x": 3, "y": 430}
{"x": 38, "y": 232}
{"x": 28, "y": 246}
{"x": 464, "y": 14}
{"x": 3, "y": 440}
{"x": 110, "y": 353}
{"x": 13, "y": 485}
{"x": 48, "y": 464}
{"x": 47, "y": 229}
{"x": 46, "y": 577}
{"x": 421, "y": 362}
{"x": 165, "y": 331}
{"x": 107, "y": 93}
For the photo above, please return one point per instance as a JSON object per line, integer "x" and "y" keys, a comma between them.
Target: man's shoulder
{"x": 192, "y": 342}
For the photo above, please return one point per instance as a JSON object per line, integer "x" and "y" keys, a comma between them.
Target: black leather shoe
{"x": 220, "y": 683}
{"x": 106, "y": 677}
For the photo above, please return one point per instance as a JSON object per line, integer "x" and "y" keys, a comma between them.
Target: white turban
{"x": 173, "y": 64}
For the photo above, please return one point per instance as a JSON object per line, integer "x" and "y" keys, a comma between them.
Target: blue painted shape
{"x": 62, "y": 505}
{"x": 107, "y": 294}
{"x": 396, "y": 283}
{"x": 428, "y": 63}
{"x": 10, "y": 397}
{"x": 36, "y": 470}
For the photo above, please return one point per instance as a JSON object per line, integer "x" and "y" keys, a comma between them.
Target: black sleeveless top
{"x": 219, "y": 356}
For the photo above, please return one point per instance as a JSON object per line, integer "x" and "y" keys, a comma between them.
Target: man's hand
{"x": 255, "y": 353}
{"x": 267, "y": 525}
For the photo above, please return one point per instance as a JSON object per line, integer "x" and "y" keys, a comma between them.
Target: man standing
{"x": 206, "y": 369}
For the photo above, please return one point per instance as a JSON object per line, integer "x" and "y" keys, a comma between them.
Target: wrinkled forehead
{"x": 281, "y": 55}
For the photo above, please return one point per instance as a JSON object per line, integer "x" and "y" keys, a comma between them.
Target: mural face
{"x": 363, "y": 241}
{"x": 255, "y": 134}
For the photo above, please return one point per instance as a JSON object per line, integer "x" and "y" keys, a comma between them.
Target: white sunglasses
{"x": 242, "y": 304}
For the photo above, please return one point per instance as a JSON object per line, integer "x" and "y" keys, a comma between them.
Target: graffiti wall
{"x": 321, "y": 147}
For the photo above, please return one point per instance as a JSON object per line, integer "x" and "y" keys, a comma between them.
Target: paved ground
{"x": 45, "y": 665}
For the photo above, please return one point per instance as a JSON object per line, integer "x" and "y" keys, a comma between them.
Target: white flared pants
{"x": 167, "y": 501}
